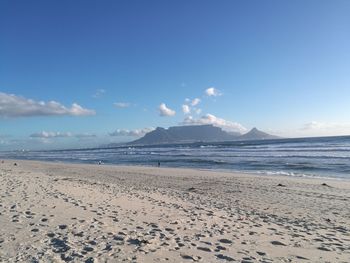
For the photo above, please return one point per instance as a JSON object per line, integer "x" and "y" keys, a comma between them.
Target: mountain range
{"x": 197, "y": 133}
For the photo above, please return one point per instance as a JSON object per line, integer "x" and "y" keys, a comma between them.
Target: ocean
{"x": 302, "y": 157}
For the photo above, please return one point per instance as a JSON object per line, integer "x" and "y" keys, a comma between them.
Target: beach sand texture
{"x": 55, "y": 212}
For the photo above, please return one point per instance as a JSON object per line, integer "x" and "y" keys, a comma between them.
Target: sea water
{"x": 305, "y": 157}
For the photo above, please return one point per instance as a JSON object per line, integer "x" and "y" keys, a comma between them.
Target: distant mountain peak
{"x": 254, "y": 131}
{"x": 255, "y": 134}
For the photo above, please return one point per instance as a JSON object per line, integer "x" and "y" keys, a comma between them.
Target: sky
{"x": 86, "y": 73}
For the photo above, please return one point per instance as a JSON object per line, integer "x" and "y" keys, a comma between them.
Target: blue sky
{"x": 282, "y": 66}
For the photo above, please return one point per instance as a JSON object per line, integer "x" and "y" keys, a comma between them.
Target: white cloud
{"x": 4, "y": 142}
{"x": 45, "y": 134}
{"x": 99, "y": 93}
{"x": 51, "y": 134}
{"x": 316, "y": 128}
{"x": 77, "y": 110}
{"x": 131, "y": 133}
{"x": 122, "y": 104}
{"x": 218, "y": 122}
{"x": 314, "y": 125}
{"x": 195, "y": 101}
{"x": 85, "y": 135}
{"x": 198, "y": 111}
{"x": 4, "y": 139}
{"x": 186, "y": 109}
{"x": 165, "y": 111}
{"x": 16, "y": 106}
{"x": 213, "y": 92}
{"x": 189, "y": 104}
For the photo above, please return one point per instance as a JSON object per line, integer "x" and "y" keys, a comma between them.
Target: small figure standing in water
{"x": 158, "y": 164}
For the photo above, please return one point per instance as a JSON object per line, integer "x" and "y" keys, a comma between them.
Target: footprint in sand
{"x": 62, "y": 227}
{"x": 223, "y": 257}
{"x": 59, "y": 245}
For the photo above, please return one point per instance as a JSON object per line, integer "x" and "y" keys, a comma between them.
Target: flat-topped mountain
{"x": 197, "y": 133}
{"x": 180, "y": 134}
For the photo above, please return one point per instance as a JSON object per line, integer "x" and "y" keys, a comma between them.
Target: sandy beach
{"x": 57, "y": 212}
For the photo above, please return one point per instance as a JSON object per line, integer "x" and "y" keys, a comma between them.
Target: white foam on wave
{"x": 293, "y": 174}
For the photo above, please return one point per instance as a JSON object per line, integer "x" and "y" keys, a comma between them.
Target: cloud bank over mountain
{"x": 218, "y": 122}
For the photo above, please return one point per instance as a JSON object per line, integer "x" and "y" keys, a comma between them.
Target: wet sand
{"x": 55, "y": 212}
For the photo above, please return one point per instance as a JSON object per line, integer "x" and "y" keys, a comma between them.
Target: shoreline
{"x": 54, "y": 211}
{"x": 264, "y": 174}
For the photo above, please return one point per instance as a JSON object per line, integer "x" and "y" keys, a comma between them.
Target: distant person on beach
{"x": 158, "y": 164}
